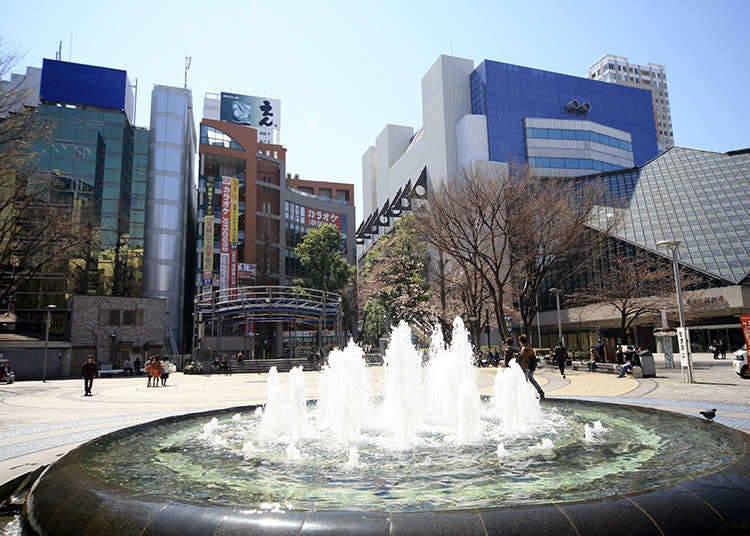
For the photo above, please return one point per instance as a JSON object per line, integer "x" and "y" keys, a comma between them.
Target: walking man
{"x": 561, "y": 355}
{"x": 527, "y": 360}
{"x": 88, "y": 373}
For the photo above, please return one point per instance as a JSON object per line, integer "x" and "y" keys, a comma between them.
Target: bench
{"x": 261, "y": 365}
{"x": 600, "y": 367}
{"x": 110, "y": 372}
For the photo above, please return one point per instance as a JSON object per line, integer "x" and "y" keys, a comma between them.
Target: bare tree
{"x": 468, "y": 221}
{"x": 550, "y": 226}
{"x": 636, "y": 287}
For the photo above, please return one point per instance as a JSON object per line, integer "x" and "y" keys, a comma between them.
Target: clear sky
{"x": 343, "y": 69}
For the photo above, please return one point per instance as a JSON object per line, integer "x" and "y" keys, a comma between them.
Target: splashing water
{"x": 592, "y": 433}
{"x": 343, "y": 390}
{"x": 516, "y": 403}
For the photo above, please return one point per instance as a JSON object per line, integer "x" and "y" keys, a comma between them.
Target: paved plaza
{"x": 43, "y": 421}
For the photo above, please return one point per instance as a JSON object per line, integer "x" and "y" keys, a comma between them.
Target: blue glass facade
{"x": 507, "y": 94}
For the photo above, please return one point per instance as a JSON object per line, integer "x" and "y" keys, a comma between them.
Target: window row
{"x": 585, "y": 135}
{"x": 572, "y": 163}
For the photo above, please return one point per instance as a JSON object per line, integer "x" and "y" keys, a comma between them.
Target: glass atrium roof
{"x": 701, "y": 198}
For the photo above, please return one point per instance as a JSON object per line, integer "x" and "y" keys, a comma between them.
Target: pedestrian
{"x": 240, "y": 357}
{"x": 127, "y": 368}
{"x": 527, "y": 360}
{"x": 561, "y": 355}
{"x": 722, "y": 349}
{"x": 165, "y": 365}
{"x": 601, "y": 351}
{"x": 509, "y": 352}
{"x": 155, "y": 370}
{"x": 137, "y": 366}
{"x": 627, "y": 368}
{"x": 619, "y": 355}
{"x": 591, "y": 363}
{"x": 89, "y": 371}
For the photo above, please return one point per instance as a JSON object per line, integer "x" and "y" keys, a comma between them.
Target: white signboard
{"x": 683, "y": 340}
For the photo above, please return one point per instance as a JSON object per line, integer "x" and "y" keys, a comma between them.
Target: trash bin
{"x": 647, "y": 363}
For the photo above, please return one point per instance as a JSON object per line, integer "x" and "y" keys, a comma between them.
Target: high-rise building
{"x": 496, "y": 115}
{"x": 170, "y": 210}
{"x": 618, "y": 70}
{"x": 134, "y": 194}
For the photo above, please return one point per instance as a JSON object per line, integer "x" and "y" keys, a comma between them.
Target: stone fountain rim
{"x": 708, "y": 502}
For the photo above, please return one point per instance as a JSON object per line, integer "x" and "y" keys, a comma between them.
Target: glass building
{"x": 699, "y": 198}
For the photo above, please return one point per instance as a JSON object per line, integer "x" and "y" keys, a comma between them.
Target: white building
{"x": 451, "y": 139}
{"x": 618, "y": 70}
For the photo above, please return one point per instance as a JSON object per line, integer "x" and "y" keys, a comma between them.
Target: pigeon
{"x": 709, "y": 414}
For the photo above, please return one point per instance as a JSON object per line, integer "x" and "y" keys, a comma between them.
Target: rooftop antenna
{"x": 188, "y": 60}
{"x": 70, "y": 48}
{"x": 58, "y": 54}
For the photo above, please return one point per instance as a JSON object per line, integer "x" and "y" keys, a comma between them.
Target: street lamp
{"x": 684, "y": 341}
{"x": 46, "y": 341}
{"x": 556, "y": 292}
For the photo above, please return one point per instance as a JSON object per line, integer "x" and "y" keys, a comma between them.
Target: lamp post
{"x": 556, "y": 292}
{"x": 46, "y": 341}
{"x": 673, "y": 245}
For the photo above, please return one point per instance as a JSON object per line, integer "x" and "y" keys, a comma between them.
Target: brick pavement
{"x": 42, "y": 421}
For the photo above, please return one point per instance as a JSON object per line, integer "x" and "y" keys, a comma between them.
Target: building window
{"x": 217, "y": 138}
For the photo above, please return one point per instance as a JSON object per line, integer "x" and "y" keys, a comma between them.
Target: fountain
{"x": 427, "y": 455}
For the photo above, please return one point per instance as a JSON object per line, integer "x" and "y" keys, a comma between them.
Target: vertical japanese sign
{"x": 208, "y": 235}
{"x": 208, "y": 249}
{"x": 683, "y": 342}
{"x": 226, "y": 209}
{"x": 234, "y": 212}
{"x": 745, "y": 323}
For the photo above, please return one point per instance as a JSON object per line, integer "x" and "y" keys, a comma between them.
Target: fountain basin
{"x": 69, "y": 498}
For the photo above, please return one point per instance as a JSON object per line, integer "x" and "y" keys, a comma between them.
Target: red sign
{"x": 745, "y": 323}
{"x": 316, "y": 218}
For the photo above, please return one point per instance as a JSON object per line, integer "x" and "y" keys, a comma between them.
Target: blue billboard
{"x": 75, "y": 83}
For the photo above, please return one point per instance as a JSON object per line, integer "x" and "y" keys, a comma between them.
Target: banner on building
{"x": 226, "y": 208}
{"x": 316, "y": 218}
{"x": 261, "y": 113}
{"x": 208, "y": 249}
{"x": 233, "y": 268}
{"x": 234, "y": 212}
{"x": 745, "y": 323}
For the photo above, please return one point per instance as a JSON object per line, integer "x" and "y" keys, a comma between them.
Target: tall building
{"x": 496, "y": 115}
{"x": 134, "y": 190}
{"x": 618, "y": 70}
{"x": 170, "y": 210}
{"x": 254, "y": 213}
{"x": 99, "y": 161}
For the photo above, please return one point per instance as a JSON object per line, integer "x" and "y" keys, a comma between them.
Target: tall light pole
{"x": 556, "y": 292}
{"x": 673, "y": 245}
{"x": 48, "y": 322}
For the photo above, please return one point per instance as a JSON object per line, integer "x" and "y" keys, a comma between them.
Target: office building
{"x": 495, "y": 115}
{"x": 618, "y": 70}
{"x": 134, "y": 191}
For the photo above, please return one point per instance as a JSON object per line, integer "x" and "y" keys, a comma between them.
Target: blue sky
{"x": 344, "y": 69}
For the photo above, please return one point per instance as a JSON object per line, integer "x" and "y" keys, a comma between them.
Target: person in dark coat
{"x": 561, "y": 356}
{"x": 89, "y": 371}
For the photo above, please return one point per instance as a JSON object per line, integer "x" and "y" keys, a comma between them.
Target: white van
{"x": 739, "y": 363}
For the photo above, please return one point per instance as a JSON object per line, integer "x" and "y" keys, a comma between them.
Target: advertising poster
{"x": 745, "y": 323}
{"x": 261, "y": 113}
{"x": 316, "y": 218}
